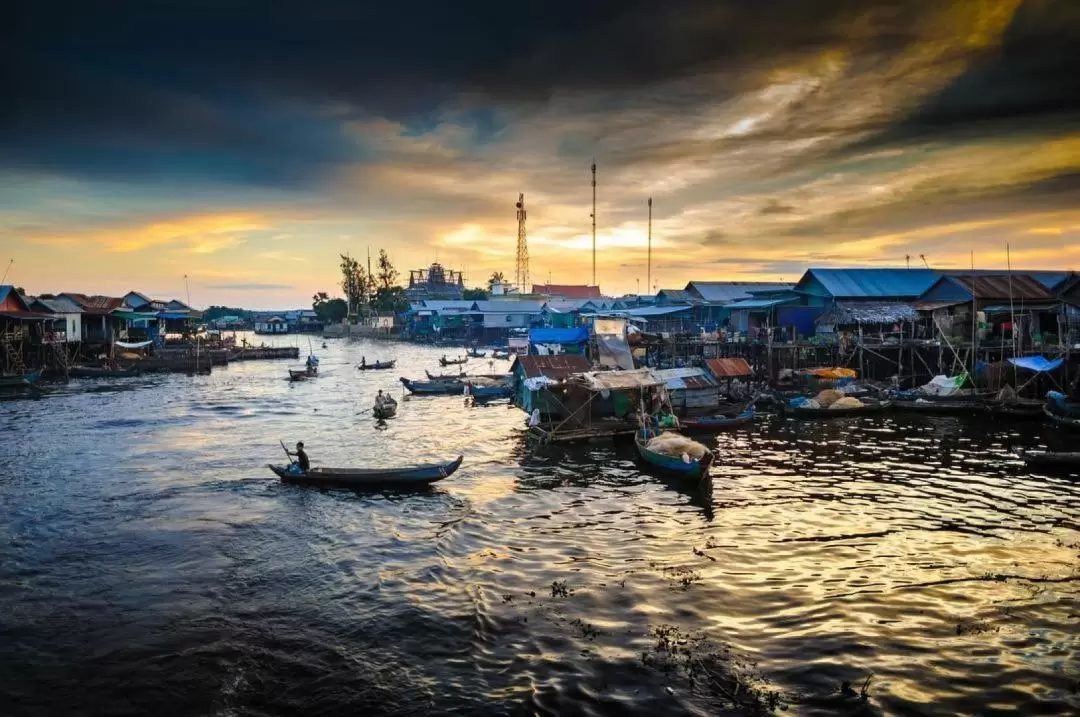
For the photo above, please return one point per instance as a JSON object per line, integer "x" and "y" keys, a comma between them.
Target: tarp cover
{"x": 613, "y": 352}
{"x": 615, "y": 380}
{"x": 943, "y": 385}
{"x": 133, "y": 344}
{"x": 1038, "y": 364}
{"x": 578, "y": 335}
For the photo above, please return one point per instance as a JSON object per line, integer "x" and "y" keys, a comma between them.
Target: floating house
{"x": 533, "y": 374}
{"x": 271, "y": 325}
{"x": 690, "y": 389}
{"x": 67, "y": 315}
{"x": 100, "y": 324}
{"x": 1004, "y": 305}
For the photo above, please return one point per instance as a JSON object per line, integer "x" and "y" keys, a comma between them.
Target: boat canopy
{"x": 1038, "y": 364}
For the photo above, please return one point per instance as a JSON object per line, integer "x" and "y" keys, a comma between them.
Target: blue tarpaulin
{"x": 577, "y": 335}
{"x": 1038, "y": 364}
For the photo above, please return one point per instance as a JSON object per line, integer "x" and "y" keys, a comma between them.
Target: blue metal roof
{"x": 723, "y": 292}
{"x": 871, "y": 283}
{"x": 655, "y": 310}
{"x": 758, "y": 303}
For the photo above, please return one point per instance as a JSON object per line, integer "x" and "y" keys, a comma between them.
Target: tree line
{"x": 374, "y": 292}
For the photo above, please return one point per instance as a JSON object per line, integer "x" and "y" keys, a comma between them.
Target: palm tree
{"x": 496, "y": 278}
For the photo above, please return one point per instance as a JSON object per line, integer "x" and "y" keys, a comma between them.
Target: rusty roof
{"x": 556, "y": 367}
{"x": 96, "y": 304}
{"x": 729, "y": 367}
{"x": 997, "y": 287}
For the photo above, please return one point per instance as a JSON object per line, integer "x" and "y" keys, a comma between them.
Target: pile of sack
{"x": 829, "y": 398}
{"x": 676, "y": 446}
{"x": 847, "y": 402}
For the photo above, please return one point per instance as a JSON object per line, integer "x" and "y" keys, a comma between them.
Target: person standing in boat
{"x": 363, "y": 361}
{"x": 302, "y": 459}
{"x": 379, "y": 398}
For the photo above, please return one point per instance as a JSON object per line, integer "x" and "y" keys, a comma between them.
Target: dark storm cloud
{"x": 254, "y": 92}
{"x": 1030, "y": 81}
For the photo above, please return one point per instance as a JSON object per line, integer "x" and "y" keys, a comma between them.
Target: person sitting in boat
{"x": 302, "y": 460}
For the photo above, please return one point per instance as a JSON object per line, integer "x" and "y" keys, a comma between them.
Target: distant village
{"x": 1020, "y": 311}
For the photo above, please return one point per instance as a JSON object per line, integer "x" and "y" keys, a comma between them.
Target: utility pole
{"x": 187, "y": 290}
{"x": 10, "y": 262}
{"x": 593, "y": 215}
{"x": 648, "y": 279}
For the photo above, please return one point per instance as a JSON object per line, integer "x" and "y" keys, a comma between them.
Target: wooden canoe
{"x": 695, "y": 470}
{"x": 712, "y": 424}
{"x": 444, "y": 376}
{"x": 837, "y": 412}
{"x": 941, "y": 407}
{"x": 453, "y": 362}
{"x": 386, "y": 409}
{"x": 1052, "y": 460}
{"x": 434, "y": 388}
{"x": 415, "y": 476}
{"x": 1061, "y": 420}
{"x": 377, "y": 366}
{"x": 475, "y": 354}
{"x": 1020, "y": 408}
{"x": 490, "y": 392}
{"x": 299, "y": 374}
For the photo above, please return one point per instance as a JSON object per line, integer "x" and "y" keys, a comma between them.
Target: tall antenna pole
{"x": 648, "y": 275}
{"x": 521, "y": 273}
{"x": 593, "y": 222}
{"x": 187, "y": 290}
{"x": 10, "y": 262}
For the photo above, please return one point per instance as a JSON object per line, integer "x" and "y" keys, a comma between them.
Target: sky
{"x": 247, "y": 144}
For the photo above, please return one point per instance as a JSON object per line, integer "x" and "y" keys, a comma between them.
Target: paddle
{"x": 291, "y": 461}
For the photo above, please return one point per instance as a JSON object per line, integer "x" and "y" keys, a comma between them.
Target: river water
{"x": 150, "y": 563}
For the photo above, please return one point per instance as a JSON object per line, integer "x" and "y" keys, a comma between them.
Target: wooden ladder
{"x": 13, "y": 357}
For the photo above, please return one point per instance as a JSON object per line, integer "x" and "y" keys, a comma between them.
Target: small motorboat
{"x": 721, "y": 422}
{"x": 444, "y": 376}
{"x": 377, "y": 366}
{"x": 444, "y": 362}
{"x": 1052, "y": 460}
{"x": 866, "y": 408}
{"x": 697, "y": 470}
{"x": 385, "y": 407}
{"x": 452, "y": 387}
{"x": 300, "y": 374}
{"x": 413, "y": 477}
{"x": 97, "y": 372}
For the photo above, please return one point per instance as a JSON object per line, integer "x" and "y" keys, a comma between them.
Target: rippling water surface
{"x": 150, "y": 563}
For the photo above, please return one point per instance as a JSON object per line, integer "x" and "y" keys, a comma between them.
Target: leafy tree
{"x": 214, "y": 313}
{"x": 496, "y": 278}
{"x": 20, "y": 291}
{"x": 390, "y": 300}
{"x": 355, "y": 283}
{"x": 478, "y": 294}
{"x": 388, "y": 275}
{"x": 333, "y": 311}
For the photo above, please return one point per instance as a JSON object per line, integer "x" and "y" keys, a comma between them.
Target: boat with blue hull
{"x": 715, "y": 424}
{"x": 20, "y": 380}
{"x": 434, "y": 388}
{"x": 695, "y": 470}
{"x": 490, "y": 393}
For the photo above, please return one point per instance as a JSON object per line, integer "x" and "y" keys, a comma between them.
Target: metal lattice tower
{"x": 521, "y": 274}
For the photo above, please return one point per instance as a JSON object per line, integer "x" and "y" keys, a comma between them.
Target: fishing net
{"x": 847, "y": 402}
{"x": 675, "y": 445}
{"x": 828, "y": 397}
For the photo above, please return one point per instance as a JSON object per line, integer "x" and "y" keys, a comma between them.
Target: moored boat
{"x": 96, "y": 372}
{"x": 1061, "y": 419}
{"x": 20, "y": 380}
{"x": 1017, "y": 408}
{"x": 715, "y": 423}
{"x": 473, "y": 353}
{"x": 697, "y": 470}
{"x": 414, "y": 476}
{"x": 939, "y": 406}
{"x": 866, "y": 408}
{"x": 434, "y": 388}
{"x": 498, "y": 354}
{"x": 1052, "y": 460}
{"x": 444, "y": 376}
{"x": 490, "y": 393}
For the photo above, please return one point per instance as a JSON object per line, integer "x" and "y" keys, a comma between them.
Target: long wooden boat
{"x": 694, "y": 470}
{"x": 299, "y": 374}
{"x": 837, "y": 412}
{"x": 490, "y": 392}
{"x": 712, "y": 424}
{"x": 473, "y": 353}
{"x": 444, "y": 376}
{"x": 1061, "y": 420}
{"x": 20, "y": 380}
{"x": 377, "y": 366}
{"x": 412, "y": 477}
{"x": 1052, "y": 460}
{"x": 1019, "y": 408}
{"x": 939, "y": 406}
{"x": 453, "y": 362}
{"x": 95, "y": 372}
{"x": 434, "y": 388}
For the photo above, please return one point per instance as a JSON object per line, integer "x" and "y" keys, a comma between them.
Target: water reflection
{"x": 152, "y": 563}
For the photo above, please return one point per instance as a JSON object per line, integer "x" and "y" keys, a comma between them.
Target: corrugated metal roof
{"x": 567, "y": 291}
{"x": 509, "y": 307}
{"x": 59, "y": 305}
{"x": 682, "y": 378}
{"x": 556, "y": 367}
{"x": 568, "y": 306}
{"x": 729, "y": 367}
{"x": 868, "y": 312}
{"x": 655, "y": 310}
{"x": 96, "y": 304}
{"x": 874, "y": 283}
{"x": 447, "y": 306}
{"x": 674, "y": 295}
{"x": 935, "y": 305}
{"x": 728, "y": 291}
{"x": 1050, "y": 279}
{"x": 998, "y": 287}
{"x": 757, "y": 303}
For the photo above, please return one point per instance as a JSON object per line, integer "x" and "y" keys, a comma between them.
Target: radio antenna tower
{"x": 521, "y": 275}
{"x": 593, "y": 215}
